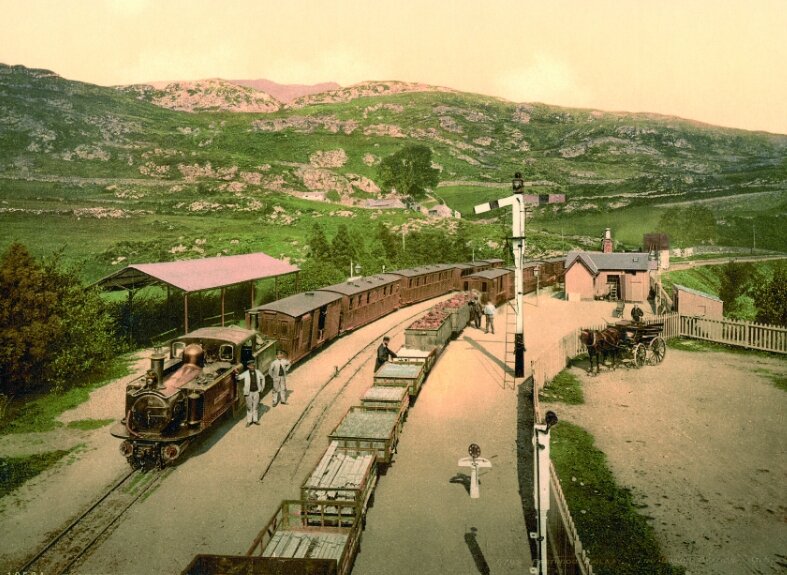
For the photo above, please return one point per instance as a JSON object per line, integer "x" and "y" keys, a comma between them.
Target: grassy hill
{"x": 112, "y": 175}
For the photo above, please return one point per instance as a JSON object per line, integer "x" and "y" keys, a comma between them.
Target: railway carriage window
{"x": 227, "y": 352}
{"x": 177, "y": 348}
{"x": 367, "y": 296}
{"x": 484, "y": 286}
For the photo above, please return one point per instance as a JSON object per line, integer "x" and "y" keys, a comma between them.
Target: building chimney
{"x": 606, "y": 243}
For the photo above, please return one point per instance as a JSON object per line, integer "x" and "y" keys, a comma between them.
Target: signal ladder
{"x": 509, "y": 356}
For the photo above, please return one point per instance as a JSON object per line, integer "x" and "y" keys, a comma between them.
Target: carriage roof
{"x": 362, "y": 284}
{"x": 491, "y": 274}
{"x": 299, "y": 304}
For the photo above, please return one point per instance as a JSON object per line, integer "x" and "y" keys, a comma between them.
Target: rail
{"x": 67, "y": 548}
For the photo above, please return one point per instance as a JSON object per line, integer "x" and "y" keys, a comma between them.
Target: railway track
{"x": 69, "y": 547}
{"x": 318, "y": 406}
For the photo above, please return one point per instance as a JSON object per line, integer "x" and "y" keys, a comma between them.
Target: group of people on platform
{"x": 488, "y": 311}
{"x": 254, "y": 383}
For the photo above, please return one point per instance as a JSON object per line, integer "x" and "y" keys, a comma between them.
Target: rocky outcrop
{"x": 204, "y": 95}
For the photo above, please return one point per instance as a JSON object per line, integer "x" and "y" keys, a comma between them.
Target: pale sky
{"x": 723, "y": 62}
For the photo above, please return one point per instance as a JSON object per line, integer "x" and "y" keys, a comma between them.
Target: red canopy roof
{"x": 198, "y": 275}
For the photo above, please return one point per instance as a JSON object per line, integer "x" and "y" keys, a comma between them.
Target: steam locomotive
{"x": 185, "y": 391}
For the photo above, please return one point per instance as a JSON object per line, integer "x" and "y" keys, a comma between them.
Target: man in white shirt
{"x": 489, "y": 313}
{"x": 253, "y": 383}
{"x": 278, "y": 372}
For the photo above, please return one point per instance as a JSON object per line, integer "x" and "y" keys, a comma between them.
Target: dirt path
{"x": 700, "y": 440}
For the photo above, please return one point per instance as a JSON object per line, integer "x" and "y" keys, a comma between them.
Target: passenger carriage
{"x": 425, "y": 282}
{"x": 464, "y": 270}
{"x": 366, "y": 299}
{"x": 300, "y": 323}
{"x": 495, "y": 285}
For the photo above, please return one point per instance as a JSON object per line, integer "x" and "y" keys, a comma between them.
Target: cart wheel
{"x": 640, "y": 355}
{"x": 658, "y": 349}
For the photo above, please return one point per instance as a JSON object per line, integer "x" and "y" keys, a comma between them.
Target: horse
{"x": 600, "y": 343}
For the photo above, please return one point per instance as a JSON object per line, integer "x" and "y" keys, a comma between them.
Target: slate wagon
{"x": 371, "y": 428}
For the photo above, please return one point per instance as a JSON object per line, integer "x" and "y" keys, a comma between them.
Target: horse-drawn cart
{"x": 633, "y": 344}
{"x": 643, "y": 342}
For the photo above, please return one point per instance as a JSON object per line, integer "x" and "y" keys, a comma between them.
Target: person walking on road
{"x": 489, "y": 313}
{"x": 278, "y": 372}
{"x": 253, "y": 382}
{"x": 383, "y": 353}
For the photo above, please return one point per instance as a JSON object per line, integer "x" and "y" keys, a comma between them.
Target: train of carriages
{"x": 192, "y": 384}
{"x": 320, "y": 533}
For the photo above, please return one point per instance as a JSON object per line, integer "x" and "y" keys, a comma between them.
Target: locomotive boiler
{"x": 185, "y": 391}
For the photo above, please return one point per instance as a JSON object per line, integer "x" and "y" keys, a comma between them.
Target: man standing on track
{"x": 278, "y": 372}
{"x": 489, "y": 313}
{"x": 253, "y": 382}
{"x": 383, "y": 354}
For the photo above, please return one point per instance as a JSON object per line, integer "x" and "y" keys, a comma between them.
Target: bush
{"x": 52, "y": 328}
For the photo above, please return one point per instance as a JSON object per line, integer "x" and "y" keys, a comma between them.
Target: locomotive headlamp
{"x": 126, "y": 448}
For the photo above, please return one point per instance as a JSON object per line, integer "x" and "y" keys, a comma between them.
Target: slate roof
{"x": 696, "y": 292}
{"x": 300, "y": 304}
{"x": 598, "y": 261}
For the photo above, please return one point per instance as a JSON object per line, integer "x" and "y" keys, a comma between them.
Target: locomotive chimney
{"x": 157, "y": 366}
{"x": 252, "y": 320}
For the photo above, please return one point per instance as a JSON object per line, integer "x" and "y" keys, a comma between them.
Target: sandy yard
{"x": 699, "y": 438}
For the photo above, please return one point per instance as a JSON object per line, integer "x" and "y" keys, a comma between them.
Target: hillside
{"x": 145, "y": 181}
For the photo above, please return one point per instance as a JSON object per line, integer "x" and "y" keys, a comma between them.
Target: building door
{"x": 613, "y": 288}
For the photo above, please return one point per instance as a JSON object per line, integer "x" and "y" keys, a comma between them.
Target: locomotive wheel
{"x": 640, "y": 355}
{"x": 658, "y": 349}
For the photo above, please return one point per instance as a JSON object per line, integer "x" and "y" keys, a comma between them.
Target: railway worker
{"x": 383, "y": 353}
{"x": 637, "y": 313}
{"x": 253, "y": 382}
{"x": 478, "y": 312}
{"x": 473, "y": 312}
{"x": 278, "y": 372}
{"x": 489, "y": 313}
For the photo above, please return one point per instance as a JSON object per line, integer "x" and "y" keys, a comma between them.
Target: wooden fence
{"x": 739, "y": 333}
{"x": 567, "y": 556}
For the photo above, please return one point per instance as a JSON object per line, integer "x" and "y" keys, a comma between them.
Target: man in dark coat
{"x": 637, "y": 313}
{"x": 383, "y": 353}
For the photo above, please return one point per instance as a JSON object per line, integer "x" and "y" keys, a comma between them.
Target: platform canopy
{"x": 192, "y": 276}
{"x": 197, "y": 275}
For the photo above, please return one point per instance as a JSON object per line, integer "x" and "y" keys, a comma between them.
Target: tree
{"x": 771, "y": 299}
{"x": 409, "y": 171}
{"x": 736, "y": 279}
{"x": 342, "y": 248}
{"x": 319, "y": 248}
{"x": 52, "y": 329}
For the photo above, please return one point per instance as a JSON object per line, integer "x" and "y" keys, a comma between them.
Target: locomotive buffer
{"x": 518, "y": 202}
